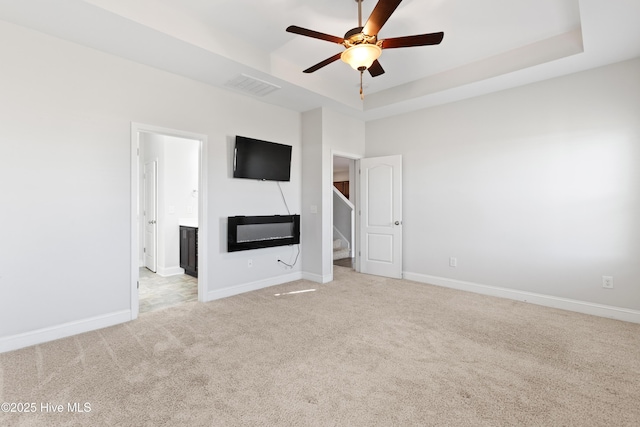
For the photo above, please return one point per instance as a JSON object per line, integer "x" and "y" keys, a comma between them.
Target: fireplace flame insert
{"x": 254, "y": 232}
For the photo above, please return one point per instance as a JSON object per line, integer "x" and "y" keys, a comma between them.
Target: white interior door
{"x": 150, "y": 215}
{"x": 381, "y": 216}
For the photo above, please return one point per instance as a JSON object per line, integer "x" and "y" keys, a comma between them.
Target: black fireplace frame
{"x": 234, "y": 222}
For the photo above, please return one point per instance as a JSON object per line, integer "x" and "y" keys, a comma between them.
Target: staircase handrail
{"x": 344, "y": 199}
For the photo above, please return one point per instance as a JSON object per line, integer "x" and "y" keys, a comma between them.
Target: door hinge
{"x": 144, "y": 250}
{"x": 359, "y": 253}
{"x": 138, "y": 286}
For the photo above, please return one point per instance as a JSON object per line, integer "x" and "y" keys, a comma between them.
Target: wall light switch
{"x": 453, "y": 262}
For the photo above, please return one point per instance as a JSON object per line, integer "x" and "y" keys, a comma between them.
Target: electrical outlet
{"x": 453, "y": 262}
{"x": 250, "y": 263}
{"x": 607, "y": 282}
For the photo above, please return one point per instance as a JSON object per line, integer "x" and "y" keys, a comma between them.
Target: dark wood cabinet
{"x": 189, "y": 250}
{"x": 343, "y": 187}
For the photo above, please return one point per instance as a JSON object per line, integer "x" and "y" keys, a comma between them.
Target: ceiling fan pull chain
{"x": 361, "y": 92}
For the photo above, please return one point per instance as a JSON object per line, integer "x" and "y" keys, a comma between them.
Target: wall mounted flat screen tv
{"x": 262, "y": 160}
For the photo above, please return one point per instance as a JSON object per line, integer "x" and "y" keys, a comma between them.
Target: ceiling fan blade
{"x": 376, "y": 69}
{"x": 323, "y": 63}
{"x": 409, "y": 41}
{"x": 379, "y": 16}
{"x": 314, "y": 34}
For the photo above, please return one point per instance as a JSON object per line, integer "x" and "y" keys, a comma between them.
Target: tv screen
{"x": 263, "y": 160}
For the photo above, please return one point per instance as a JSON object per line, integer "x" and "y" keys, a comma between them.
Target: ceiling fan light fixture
{"x": 361, "y": 56}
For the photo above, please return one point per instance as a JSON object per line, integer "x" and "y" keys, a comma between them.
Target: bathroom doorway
{"x": 165, "y": 218}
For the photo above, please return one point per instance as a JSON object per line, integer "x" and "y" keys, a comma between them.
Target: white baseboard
{"x": 318, "y": 278}
{"x": 170, "y": 271}
{"x": 601, "y": 310}
{"x": 253, "y": 286}
{"x": 43, "y": 335}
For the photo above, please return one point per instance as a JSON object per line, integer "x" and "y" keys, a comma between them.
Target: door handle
{"x": 153, "y": 221}
{"x": 397, "y": 223}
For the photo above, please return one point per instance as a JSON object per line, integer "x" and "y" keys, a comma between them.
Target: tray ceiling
{"x": 488, "y": 46}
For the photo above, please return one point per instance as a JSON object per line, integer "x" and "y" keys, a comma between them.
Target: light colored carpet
{"x": 360, "y": 351}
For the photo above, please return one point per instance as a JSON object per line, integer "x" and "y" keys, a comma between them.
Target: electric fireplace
{"x": 254, "y": 232}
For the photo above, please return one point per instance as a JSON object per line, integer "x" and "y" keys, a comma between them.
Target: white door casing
{"x": 150, "y": 215}
{"x": 381, "y": 216}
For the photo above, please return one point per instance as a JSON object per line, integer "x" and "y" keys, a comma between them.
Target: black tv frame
{"x": 261, "y": 160}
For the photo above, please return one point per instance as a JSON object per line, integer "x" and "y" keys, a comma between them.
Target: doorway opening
{"x": 168, "y": 236}
{"x": 344, "y": 211}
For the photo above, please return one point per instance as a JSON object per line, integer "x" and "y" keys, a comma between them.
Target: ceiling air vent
{"x": 251, "y": 85}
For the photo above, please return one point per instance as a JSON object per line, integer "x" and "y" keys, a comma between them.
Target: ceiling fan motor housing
{"x": 355, "y": 36}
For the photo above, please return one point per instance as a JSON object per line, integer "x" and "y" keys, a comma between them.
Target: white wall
{"x": 311, "y": 221}
{"x": 180, "y": 195}
{"x": 533, "y": 189}
{"x": 324, "y": 132}
{"x": 339, "y": 176}
{"x": 65, "y": 168}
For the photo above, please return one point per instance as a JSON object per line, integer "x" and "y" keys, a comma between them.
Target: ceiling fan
{"x": 362, "y": 45}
